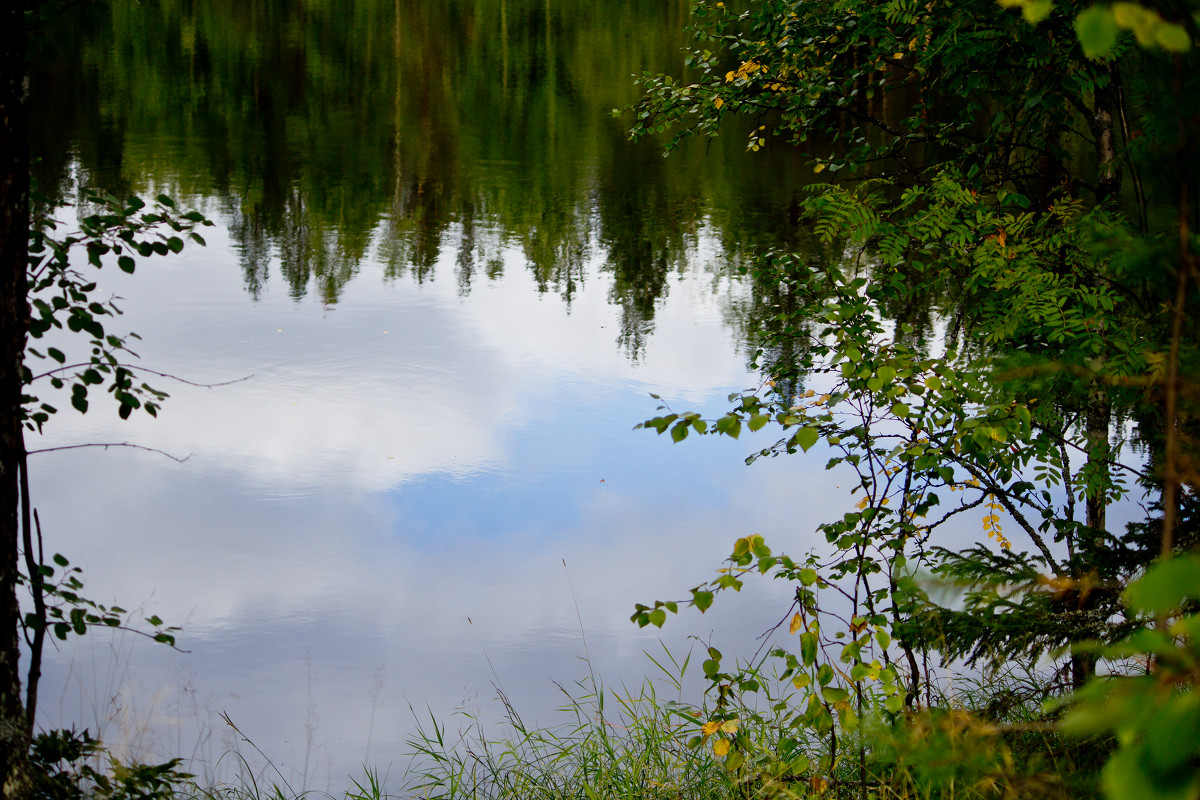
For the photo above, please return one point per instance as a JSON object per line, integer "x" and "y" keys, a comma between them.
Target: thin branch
{"x": 1002, "y": 495}
{"x": 33, "y": 565}
{"x": 137, "y": 368}
{"x": 107, "y": 445}
{"x": 959, "y": 510}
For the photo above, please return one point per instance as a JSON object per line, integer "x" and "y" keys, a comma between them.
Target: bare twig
{"x": 138, "y": 368}
{"x": 107, "y": 445}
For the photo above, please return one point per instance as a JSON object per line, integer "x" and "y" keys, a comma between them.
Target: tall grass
{"x": 987, "y": 737}
{"x": 627, "y": 744}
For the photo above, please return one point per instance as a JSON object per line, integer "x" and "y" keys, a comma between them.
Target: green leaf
{"x": 680, "y": 431}
{"x": 730, "y": 425}
{"x": 1172, "y": 37}
{"x": 808, "y": 576}
{"x": 1097, "y": 31}
{"x": 702, "y": 600}
{"x": 1129, "y": 775}
{"x": 834, "y": 694}
{"x": 806, "y": 438}
{"x": 1165, "y": 585}
{"x": 849, "y": 718}
{"x": 824, "y": 674}
{"x": 808, "y": 648}
{"x": 1036, "y": 10}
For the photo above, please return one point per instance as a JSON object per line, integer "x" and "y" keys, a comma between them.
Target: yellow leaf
{"x": 720, "y": 747}
{"x": 796, "y": 623}
{"x": 730, "y": 726}
{"x": 897, "y": 56}
{"x": 718, "y": 102}
{"x": 819, "y": 168}
{"x": 861, "y": 504}
{"x": 709, "y": 728}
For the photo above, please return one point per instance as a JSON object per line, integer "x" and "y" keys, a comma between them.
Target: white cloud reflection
{"x": 398, "y": 380}
{"x": 398, "y": 464}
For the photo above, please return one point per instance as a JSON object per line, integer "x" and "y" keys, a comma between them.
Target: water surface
{"x": 451, "y": 284}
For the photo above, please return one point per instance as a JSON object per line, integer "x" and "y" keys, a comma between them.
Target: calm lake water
{"x": 451, "y": 284}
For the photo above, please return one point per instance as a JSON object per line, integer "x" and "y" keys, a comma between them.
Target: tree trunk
{"x": 1097, "y": 421}
{"x": 1107, "y": 107}
{"x": 15, "y": 777}
{"x": 1098, "y": 414}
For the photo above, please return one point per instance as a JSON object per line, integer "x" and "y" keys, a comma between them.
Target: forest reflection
{"x": 331, "y": 132}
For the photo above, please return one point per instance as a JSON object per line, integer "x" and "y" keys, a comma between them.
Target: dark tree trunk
{"x": 15, "y": 778}
{"x": 1098, "y": 420}
{"x": 1098, "y": 415}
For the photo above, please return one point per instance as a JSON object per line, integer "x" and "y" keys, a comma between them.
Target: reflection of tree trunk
{"x": 1099, "y": 415}
{"x": 1094, "y": 481}
{"x": 15, "y": 779}
{"x": 551, "y": 78}
{"x": 1172, "y": 483}
{"x": 398, "y": 72}
{"x": 503, "y": 45}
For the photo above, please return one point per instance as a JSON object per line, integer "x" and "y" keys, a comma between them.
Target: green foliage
{"x": 63, "y": 298}
{"x": 66, "y": 611}
{"x": 974, "y": 197}
{"x": 629, "y": 744}
{"x": 1154, "y": 715}
{"x": 65, "y": 765}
